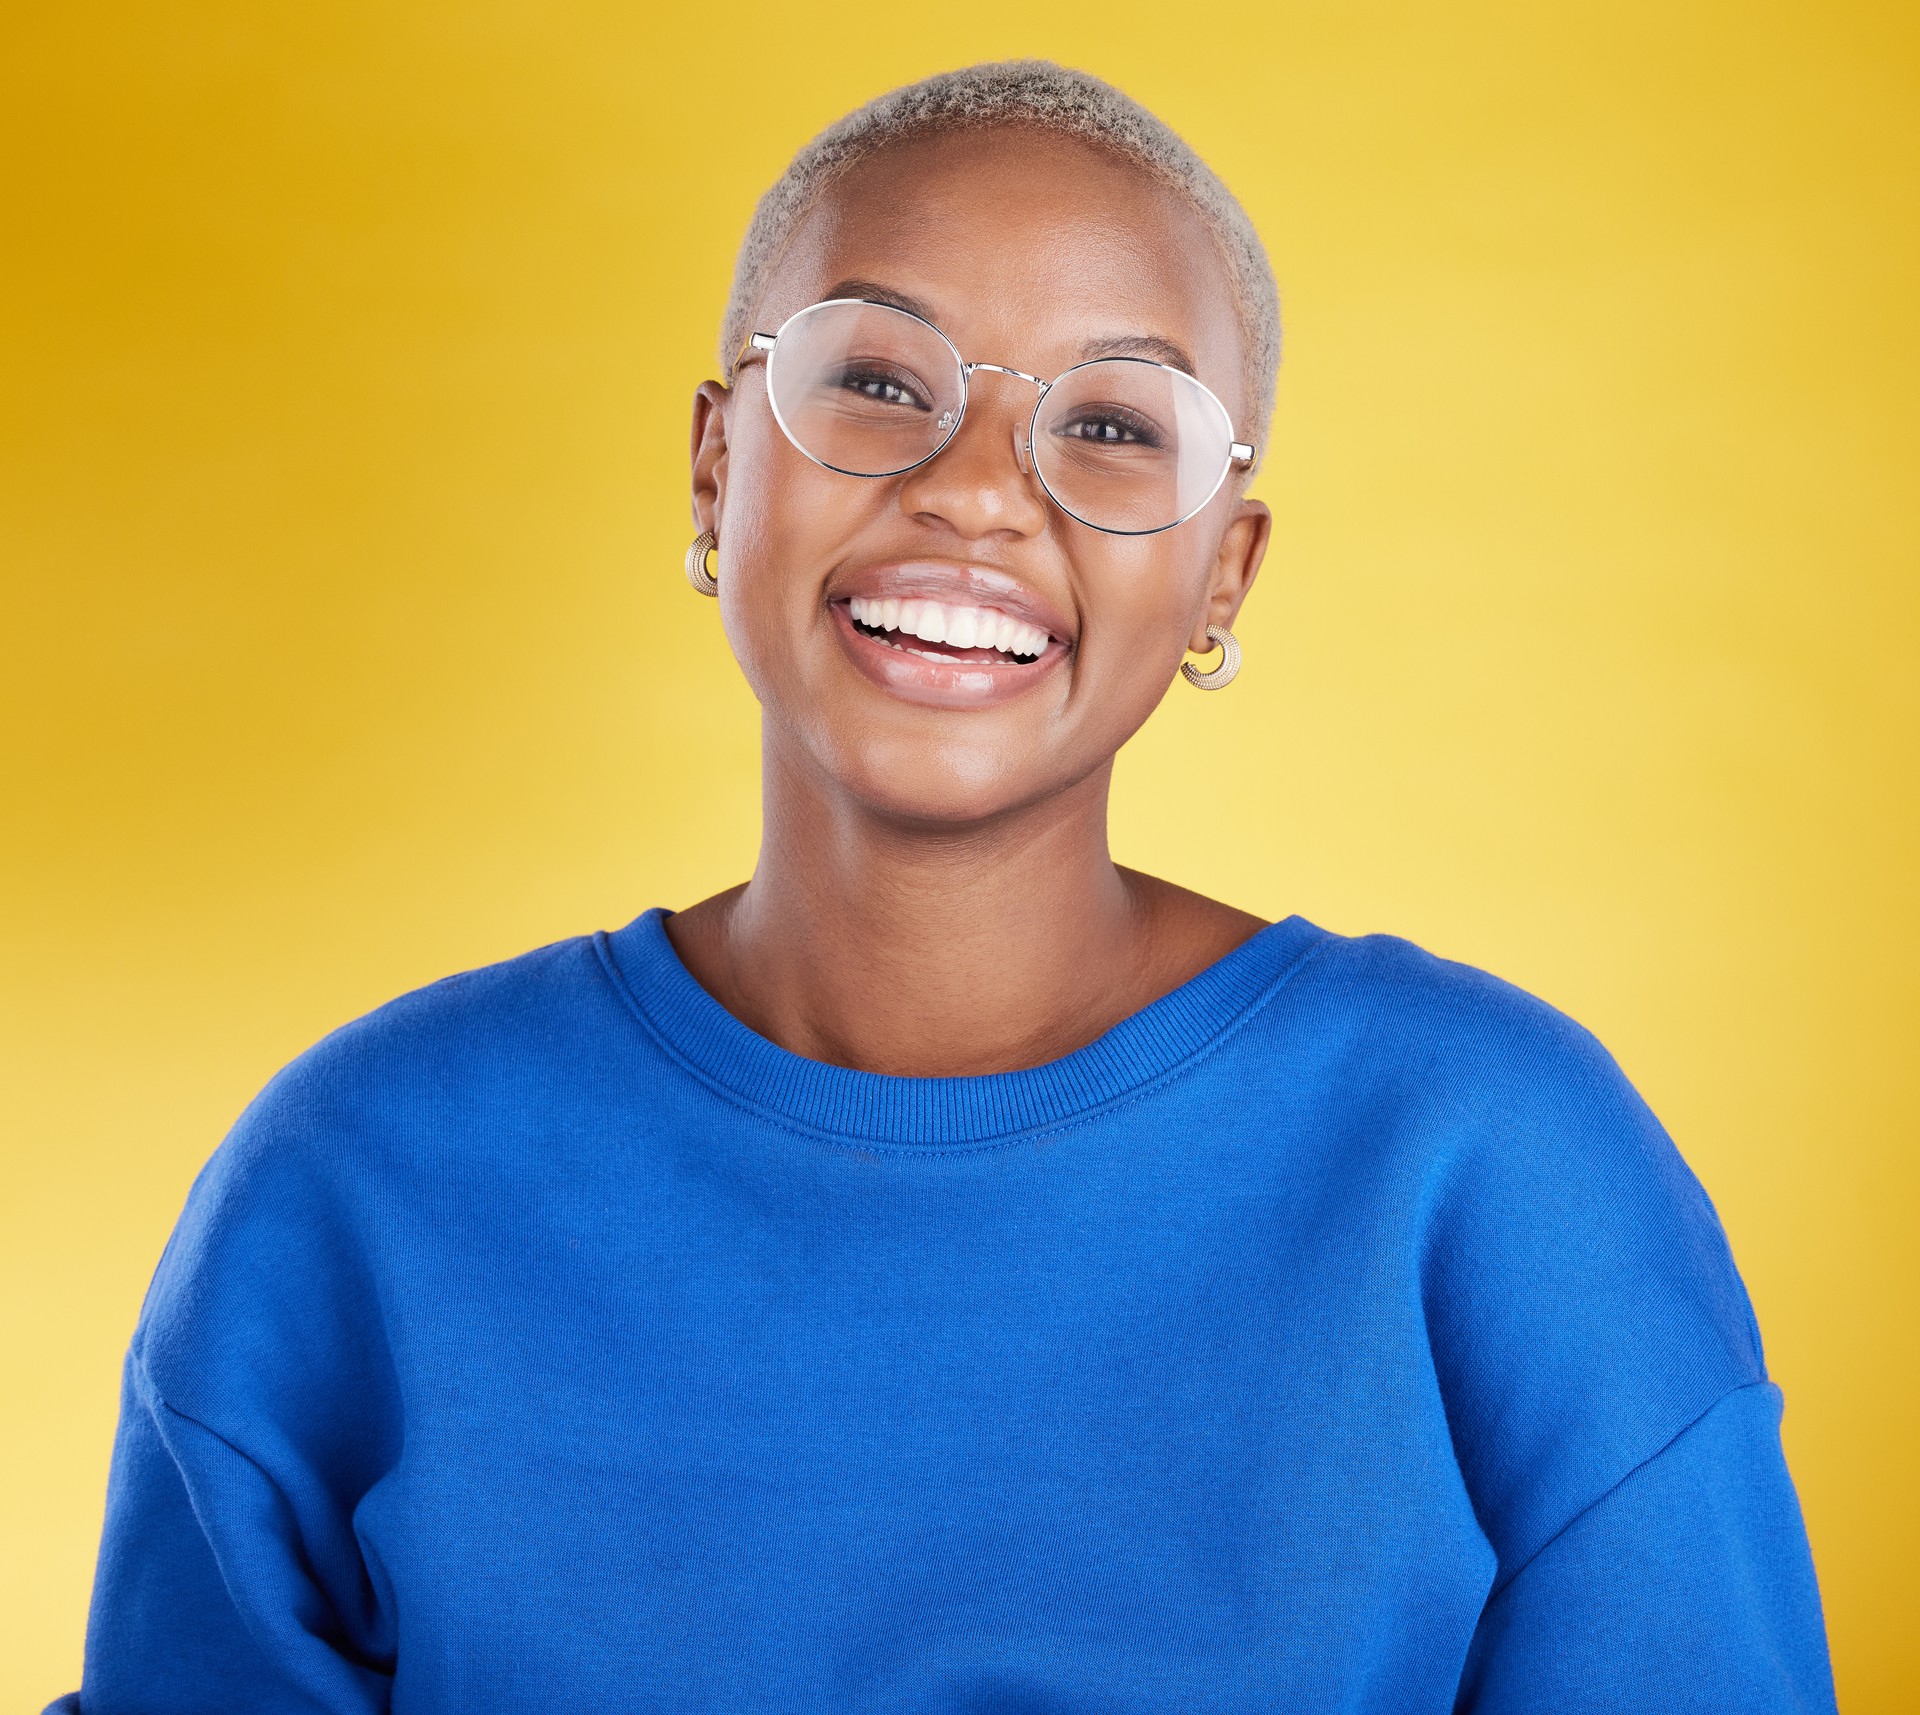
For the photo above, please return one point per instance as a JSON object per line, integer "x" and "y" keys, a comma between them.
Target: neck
{"x": 934, "y": 951}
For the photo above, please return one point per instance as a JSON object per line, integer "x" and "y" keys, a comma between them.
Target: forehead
{"x": 1027, "y": 248}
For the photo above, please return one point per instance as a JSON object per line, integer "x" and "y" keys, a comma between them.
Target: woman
{"x": 951, "y": 1272}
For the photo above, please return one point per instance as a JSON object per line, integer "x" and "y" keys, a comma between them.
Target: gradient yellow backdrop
{"x": 347, "y": 353}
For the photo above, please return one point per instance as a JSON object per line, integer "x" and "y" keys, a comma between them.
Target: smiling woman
{"x": 948, "y": 1271}
{"x": 956, "y": 243}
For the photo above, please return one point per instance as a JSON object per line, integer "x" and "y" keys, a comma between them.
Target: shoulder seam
{"x": 156, "y": 1402}
{"x": 1504, "y": 1583}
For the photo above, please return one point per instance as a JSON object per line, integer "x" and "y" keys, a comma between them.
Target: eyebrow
{"x": 1147, "y": 345}
{"x": 1143, "y": 345}
{"x": 879, "y": 294}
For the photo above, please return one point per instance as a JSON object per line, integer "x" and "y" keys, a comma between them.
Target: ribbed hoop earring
{"x": 1229, "y": 662}
{"x": 697, "y": 573}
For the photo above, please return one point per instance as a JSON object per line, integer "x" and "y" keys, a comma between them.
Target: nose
{"x": 971, "y": 485}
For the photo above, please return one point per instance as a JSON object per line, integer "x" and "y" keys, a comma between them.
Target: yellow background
{"x": 347, "y": 352}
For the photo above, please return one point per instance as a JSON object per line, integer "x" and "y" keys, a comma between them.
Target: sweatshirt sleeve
{"x": 1605, "y": 1389}
{"x": 205, "y": 1597}
{"x": 259, "y": 1421}
{"x": 1686, "y": 1587}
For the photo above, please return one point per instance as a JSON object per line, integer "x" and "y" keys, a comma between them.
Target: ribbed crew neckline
{"x": 933, "y": 1112}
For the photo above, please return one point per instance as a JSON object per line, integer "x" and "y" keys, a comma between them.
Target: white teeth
{"x": 949, "y": 623}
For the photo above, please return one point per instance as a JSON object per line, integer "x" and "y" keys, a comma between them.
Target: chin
{"x": 938, "y": 785}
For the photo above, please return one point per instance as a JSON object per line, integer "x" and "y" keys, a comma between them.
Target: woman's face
{"x": 1026, "y": 250}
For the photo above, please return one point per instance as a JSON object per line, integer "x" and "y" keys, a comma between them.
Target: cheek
{"x": 781, "y": 521}
{"x": 1147, "y": 595}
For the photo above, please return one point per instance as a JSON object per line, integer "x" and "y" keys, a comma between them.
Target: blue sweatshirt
{"x": 1340, "y": 1332}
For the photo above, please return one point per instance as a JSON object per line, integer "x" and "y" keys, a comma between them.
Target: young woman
{"x": 949, "y": 1272}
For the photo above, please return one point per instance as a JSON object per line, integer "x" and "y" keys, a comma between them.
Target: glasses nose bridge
{"x": 1021, "y": 452}
{"x": 1002, "y": 369}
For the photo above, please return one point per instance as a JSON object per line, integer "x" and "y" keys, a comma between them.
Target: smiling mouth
{"x": 948, "y": 631}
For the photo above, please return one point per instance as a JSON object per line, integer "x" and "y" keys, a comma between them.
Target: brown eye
{"x": 883, "y": 387}
{"x": 1101, "y": 426}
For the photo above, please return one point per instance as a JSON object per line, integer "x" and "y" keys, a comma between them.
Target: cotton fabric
{"x": 1340, "y": 1332}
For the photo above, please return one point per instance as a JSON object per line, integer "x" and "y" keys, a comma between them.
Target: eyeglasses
{"x": 1123, "y": 444}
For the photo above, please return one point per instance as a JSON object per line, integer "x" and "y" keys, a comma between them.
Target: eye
{"x": 881, "y": 386}
{"x": 1109, "y": 426}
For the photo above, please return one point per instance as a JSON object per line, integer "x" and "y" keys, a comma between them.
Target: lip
{"x": 935, "y": 684}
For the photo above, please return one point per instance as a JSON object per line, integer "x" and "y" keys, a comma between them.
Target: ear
{"x": 1243, "y": 546}
{"x": 710, "y": 401}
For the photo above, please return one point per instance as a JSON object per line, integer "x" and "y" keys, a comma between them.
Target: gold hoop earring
{"x": 697, "y": 573}
{"x": 1229, "y": 662}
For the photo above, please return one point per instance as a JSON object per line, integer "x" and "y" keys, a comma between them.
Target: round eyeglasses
{"x": 1123, "y": 444}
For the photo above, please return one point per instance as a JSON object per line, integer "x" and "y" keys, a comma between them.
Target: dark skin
{"x": 934, "y": 895}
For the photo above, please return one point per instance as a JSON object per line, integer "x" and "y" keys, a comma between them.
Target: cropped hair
{"x": 1048, "y": 98}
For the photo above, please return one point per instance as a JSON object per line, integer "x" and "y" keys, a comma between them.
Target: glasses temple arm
{"x": 753, "y": 342}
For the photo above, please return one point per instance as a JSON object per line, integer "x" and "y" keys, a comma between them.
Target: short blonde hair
{"x": 1047, "y": 97}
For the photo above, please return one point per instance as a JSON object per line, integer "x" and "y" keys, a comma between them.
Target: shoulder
{"x": 1464, "y": 1061}
{"x": 463, "y": 1054}
{"x": 1516, "y": 1117}
{"x": 496, "y": 1022}
{"x": 363, "y": 1143}
{"x": 445, "y": 1067}
{"x": 1580, "y": 1297}
{"x": 1450, "y": 1017}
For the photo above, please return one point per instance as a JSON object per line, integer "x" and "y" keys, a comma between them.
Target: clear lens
{"x": 1131, "y": 446}
{"x": 865, "y": 388}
